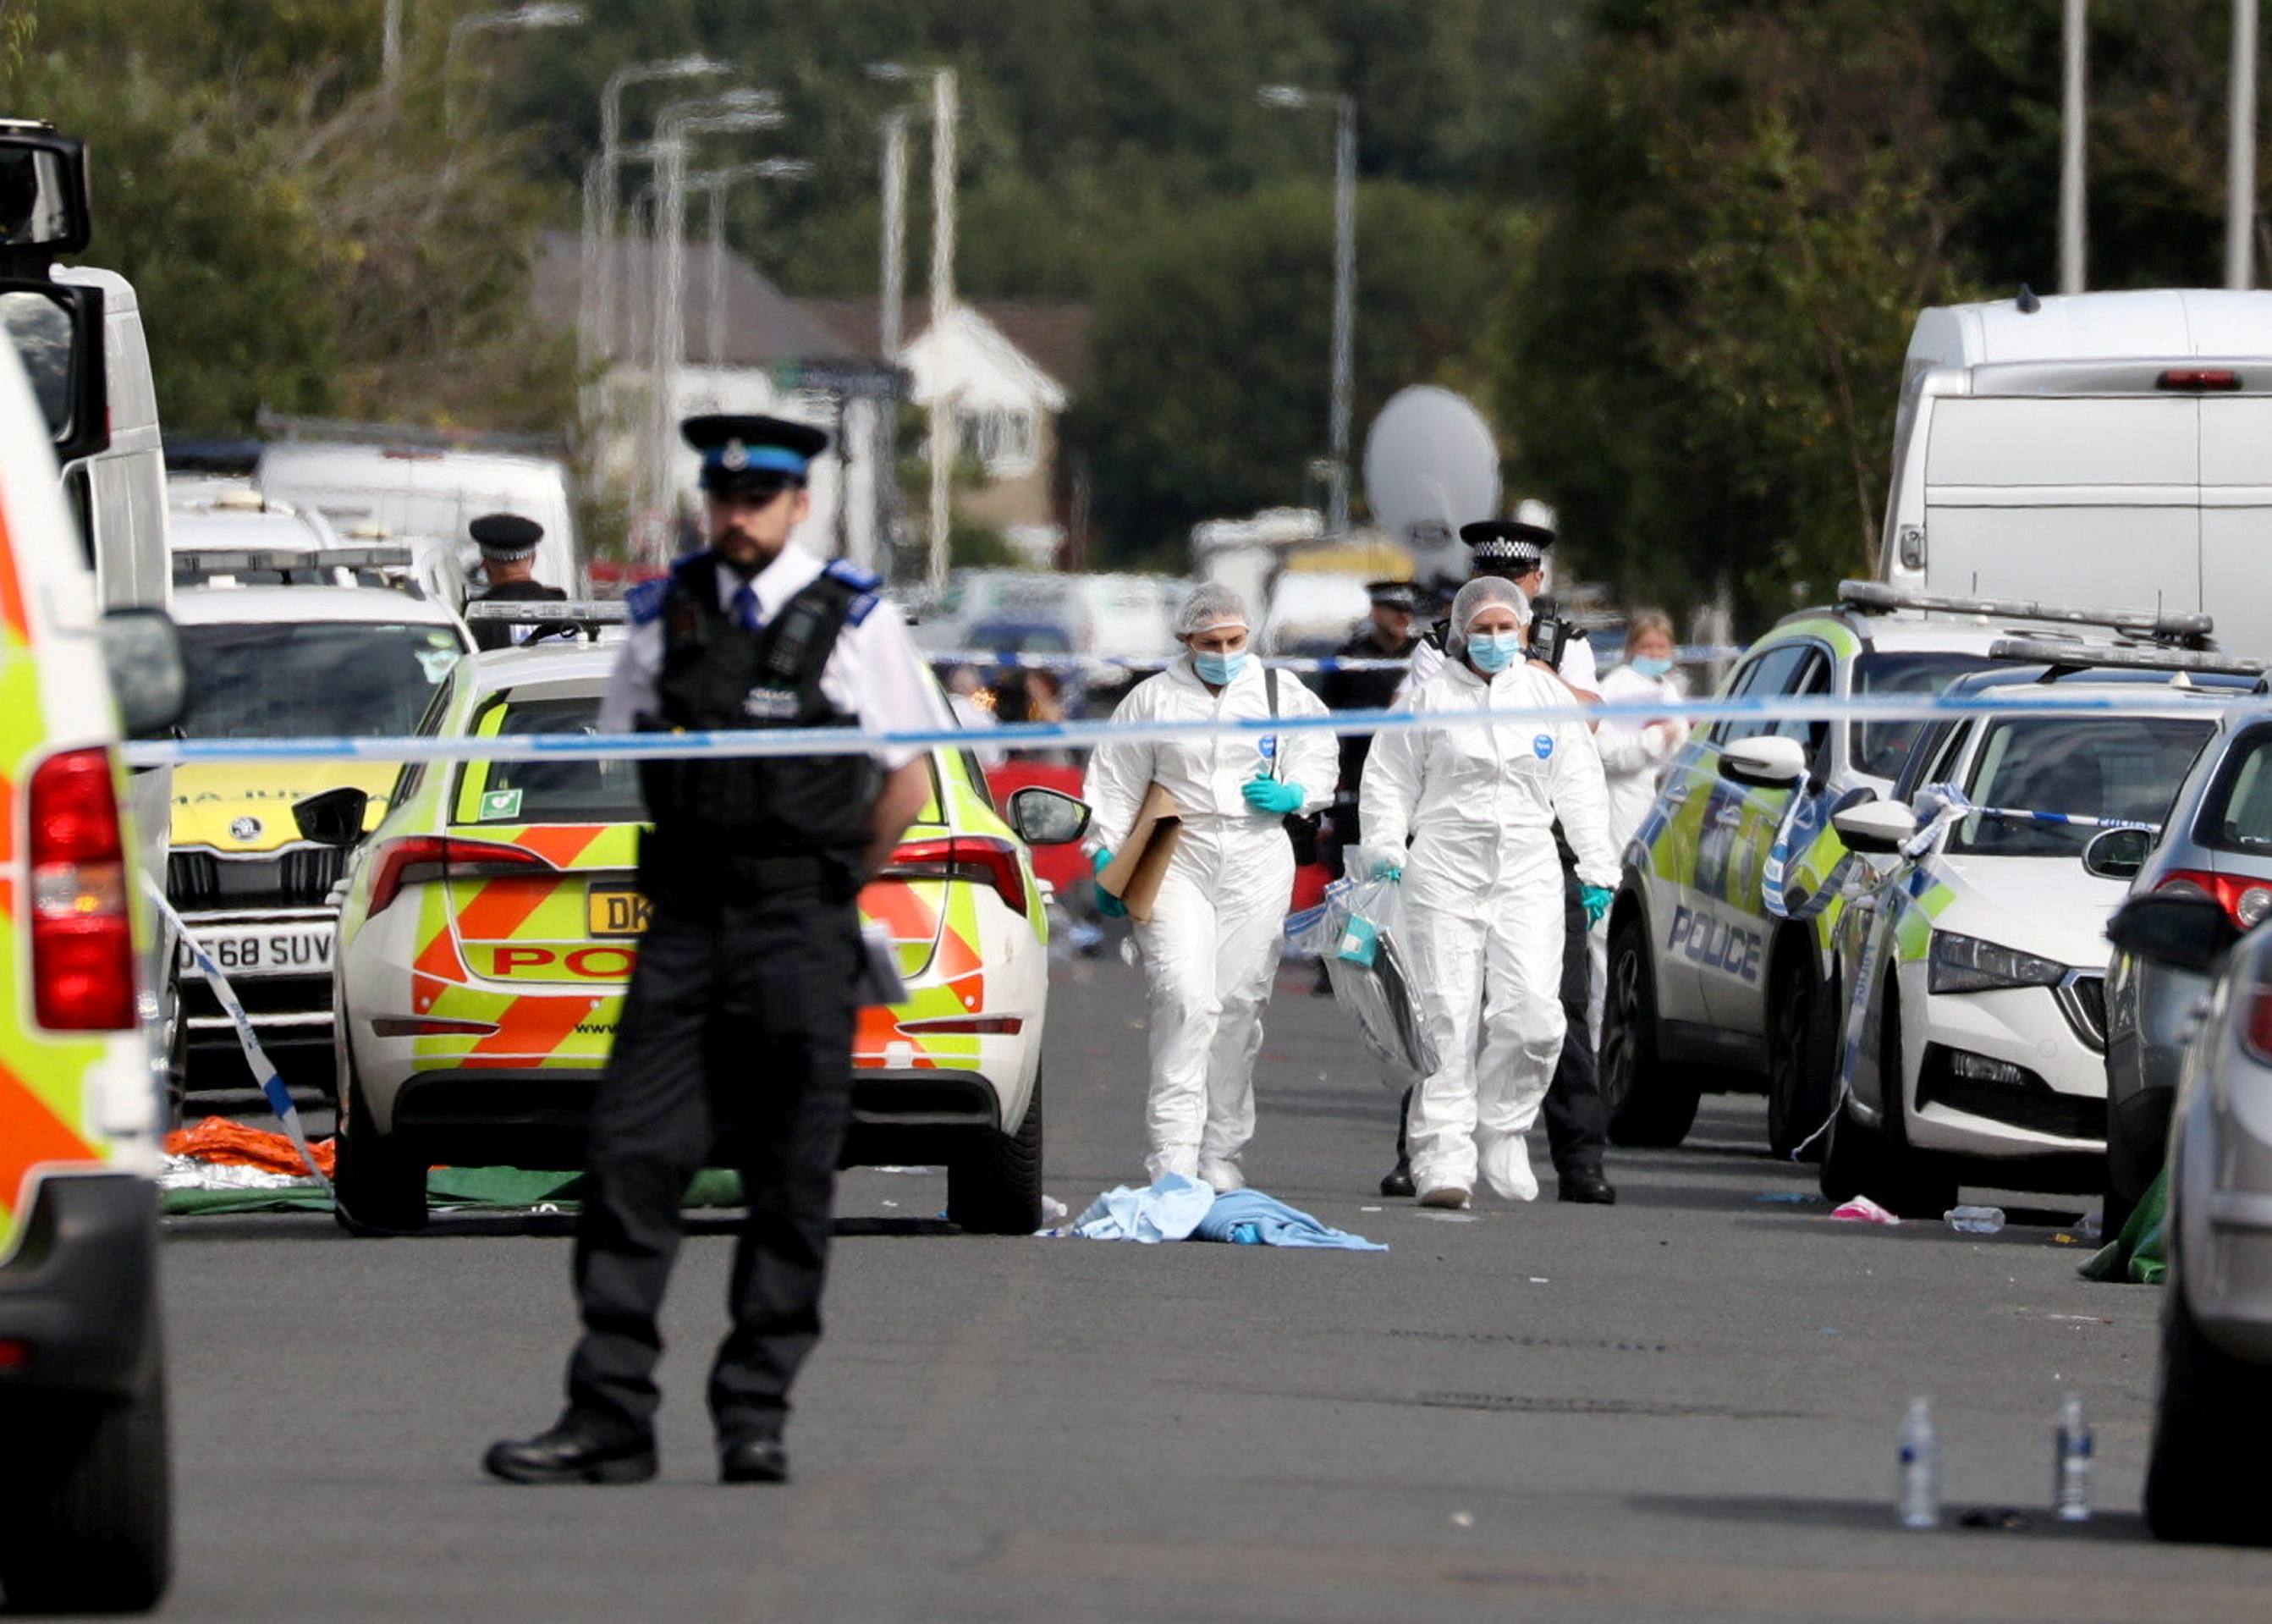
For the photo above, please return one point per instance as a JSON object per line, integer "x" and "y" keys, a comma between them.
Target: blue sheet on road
{"x": 1174, "y": 1208}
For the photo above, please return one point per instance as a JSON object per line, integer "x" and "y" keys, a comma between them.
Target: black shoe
{"x": 1587, "y": 1186}
{"x": 1398, "y": 1180}
{"x": 753, "y": 1460}
{"x": 565, "y": 1455}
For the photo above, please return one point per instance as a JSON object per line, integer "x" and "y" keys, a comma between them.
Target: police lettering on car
{"x": 738, "y": 1024}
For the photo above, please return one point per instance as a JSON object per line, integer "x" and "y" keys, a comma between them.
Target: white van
{"x": 407, "y": 488}
{"x": 2113, "y": 449}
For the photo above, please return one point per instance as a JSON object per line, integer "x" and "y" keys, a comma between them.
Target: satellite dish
{"x": 1430, "y": 467}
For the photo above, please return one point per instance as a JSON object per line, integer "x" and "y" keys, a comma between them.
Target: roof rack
{"x": 2192, "y": 631}
{"x": 2072, "y": 657}
{"x": 289, "y": 560}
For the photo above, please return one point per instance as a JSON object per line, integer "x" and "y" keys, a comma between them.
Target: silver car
{"x": 2216, "y": 844}
{"x": 2214, "y": 1403}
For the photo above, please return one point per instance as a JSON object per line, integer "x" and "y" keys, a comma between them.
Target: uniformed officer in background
{"x": 508, "y": 544}
{"x": 738, "y": 1022}
{"x": 1385, "y": 633}
{"x": 1577, "y": 1122}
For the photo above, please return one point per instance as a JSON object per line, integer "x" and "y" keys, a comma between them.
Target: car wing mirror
{"x": 333, "y": 818}
{"x": 1767, "y": 762}
{"x": 1879, "y": 827}
{"x": 2190, "y": 932}
{"x": 143, "y": 653}
{"x": 2117, "y": 854}
{"x": 1044, "y": 817}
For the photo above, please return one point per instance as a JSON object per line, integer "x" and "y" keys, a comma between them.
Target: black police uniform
{"x": 507, "y": 535}
{"x": 1358, "y": 691}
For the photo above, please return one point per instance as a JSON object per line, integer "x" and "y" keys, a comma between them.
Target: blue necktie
{"x": 745, "y": 608}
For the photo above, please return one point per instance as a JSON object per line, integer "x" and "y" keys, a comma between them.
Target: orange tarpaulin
{"x": 218, "y": 1139}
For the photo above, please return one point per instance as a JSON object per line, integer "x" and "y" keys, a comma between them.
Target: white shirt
{"x": 1461, "y": 792}
{"x": 873, "y": 673}
{"x": 1634, "y": 752}
{"x": 1206, "y": 776}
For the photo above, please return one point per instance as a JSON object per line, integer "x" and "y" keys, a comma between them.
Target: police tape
{"x": 1030, "y": 736}
{"x": 1697, "y": 654}
{"x": 264, "y": 1070}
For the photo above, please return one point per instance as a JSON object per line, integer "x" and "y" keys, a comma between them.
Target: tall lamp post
{"x": 545, "y": 14}
{"x": 943, "y": 101}
{"x": 597, "y": 309}
{"x": 715, "y": 183}
{"x": 2240, "y": 164}
{"x": 1337, "y": 515}
{"x": 2076, "y": 56}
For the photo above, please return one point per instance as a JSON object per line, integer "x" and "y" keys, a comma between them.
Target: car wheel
{"x": 1802, "y": 1032}
{"x": 997, "y": 1189}
{"x": 1648, "y": 1101}
{"x": 378, "y": 1183}
{"x": 85, "y": 1516}
{"x": 1910, "y": 1183}
{"x": 1853, "y": 1161}
{"x": 2211, "y": 1405}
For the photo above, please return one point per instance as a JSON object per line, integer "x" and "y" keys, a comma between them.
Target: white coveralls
{"x": 1212, "y": 945}
{"x": 1482, "y": 909}
{"x": 1633, "y": 758}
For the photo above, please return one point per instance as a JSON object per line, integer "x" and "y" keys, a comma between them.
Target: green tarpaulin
{"x": 455, "y": 1189}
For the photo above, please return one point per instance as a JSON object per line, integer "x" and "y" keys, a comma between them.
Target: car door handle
{"x": 1730, "y": 813}
{"x": 1676, "y": 795}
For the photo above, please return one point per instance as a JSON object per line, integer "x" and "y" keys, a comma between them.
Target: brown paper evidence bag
{"x": 1136, "y": 870}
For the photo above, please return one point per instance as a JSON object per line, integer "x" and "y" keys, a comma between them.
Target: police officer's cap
{"x": 505, "y": 536}
{"x": 1507, "y": 546}
{"x": 753, "y": 456}
{"x": 1394, "y": 594}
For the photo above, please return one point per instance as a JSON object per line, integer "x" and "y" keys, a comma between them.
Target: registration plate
{"x": 267, "y": 950}
{"x": 615, "y": 910}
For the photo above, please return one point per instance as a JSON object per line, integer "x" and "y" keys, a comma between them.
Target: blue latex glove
{"x": 1268, "y": 795}
{"x": 1108, "y": 905}
{"x": 1390, "y": 872}
{"x": 1595, "y": 901}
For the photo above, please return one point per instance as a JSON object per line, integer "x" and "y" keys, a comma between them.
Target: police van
{"x": 84, "y": 1508}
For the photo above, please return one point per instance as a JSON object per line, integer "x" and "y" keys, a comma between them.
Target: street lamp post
{"x": 1345, "y": 334}
{"x": 943, "y": 114}
{"x": 716, "y": 183}
{"x": 544, "y": 14}
{"x": 598, "y": 307}
{"x": 2240, "y": 161}
{"x": 2074, "y": 55}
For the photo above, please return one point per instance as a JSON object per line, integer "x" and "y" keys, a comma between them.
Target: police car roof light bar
{"x": 574, "y": 612}
{"x": 2067, "y": 658}
{"x": 1879, "y": 597}
{"x": 239, "y": 560}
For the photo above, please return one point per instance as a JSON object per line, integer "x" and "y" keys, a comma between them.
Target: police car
{"x": 275, "y": 650}
{"x": 1974, "y": 1039}
{"x": 491, "y": 920}
{"x": 1719, "y": 969}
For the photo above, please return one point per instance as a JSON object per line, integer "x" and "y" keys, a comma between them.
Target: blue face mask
{"x": 1651, "y": 666}
{"x": 1218, "y": 669}
{"x": 1493, "y": 652}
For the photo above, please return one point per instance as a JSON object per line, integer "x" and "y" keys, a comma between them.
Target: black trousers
{"x": 1577, "y": 1122}
{"x": 738, "y": 1025}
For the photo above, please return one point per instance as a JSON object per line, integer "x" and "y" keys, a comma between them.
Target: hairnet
{"x": 1484, "y": 592}
{"x": 1211, "y": 604}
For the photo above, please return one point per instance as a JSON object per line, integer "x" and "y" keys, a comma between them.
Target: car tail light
{"x": 2198, "y": 380}
{"x": 418, "y": 858}
{"x": 977, "y": 857}
{"x": 82, "y": 937}
{"x": 2245, "y": 901}
{"x": 2258, "y": 1033}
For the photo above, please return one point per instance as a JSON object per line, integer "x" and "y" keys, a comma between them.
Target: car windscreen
{"x": 581, "y": 792}
{"x": 2123, "y": 768}
{"x": 1881, "y": 748}
{"x": 306, "y": 679}
{"x": 2236, "y": 815}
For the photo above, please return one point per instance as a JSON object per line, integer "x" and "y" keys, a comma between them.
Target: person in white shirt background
{"x": 1634, "y": 752}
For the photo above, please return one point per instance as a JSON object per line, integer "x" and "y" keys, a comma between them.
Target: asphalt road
{"x": 1682, "y": 1407}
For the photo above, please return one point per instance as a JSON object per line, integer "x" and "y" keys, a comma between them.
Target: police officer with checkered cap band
{"x": 1577, "y": 1121}
{"x": 508, "y": 544}
{"x": 1385, "y": 633}
{"x": 738, "y": 1025}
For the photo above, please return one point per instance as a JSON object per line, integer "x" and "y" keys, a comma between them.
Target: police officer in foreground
{"x": 508, "y": 544}
{"x": 738, "y": 1022}
{"x": 1577, "y": 1122}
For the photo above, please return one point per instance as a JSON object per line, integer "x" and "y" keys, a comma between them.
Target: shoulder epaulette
{"x": 865, "y": 583}
{"x": 644, "y": 602}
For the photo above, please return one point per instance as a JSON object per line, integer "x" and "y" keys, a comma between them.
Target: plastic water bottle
{"x": 2070, "y": 1473}
{"x": 1920, "y": 1480}
{"x": 1974, "y": 1220}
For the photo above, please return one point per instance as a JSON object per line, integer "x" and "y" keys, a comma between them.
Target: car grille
{"x": 2082, "y": 1001}
{"x": 2029, "y": 1102}
{"x": 299, "y": 877}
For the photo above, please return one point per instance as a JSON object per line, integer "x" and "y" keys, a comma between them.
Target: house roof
{"x": 762, "y": 325}
{"x": 1053, "y": 334}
